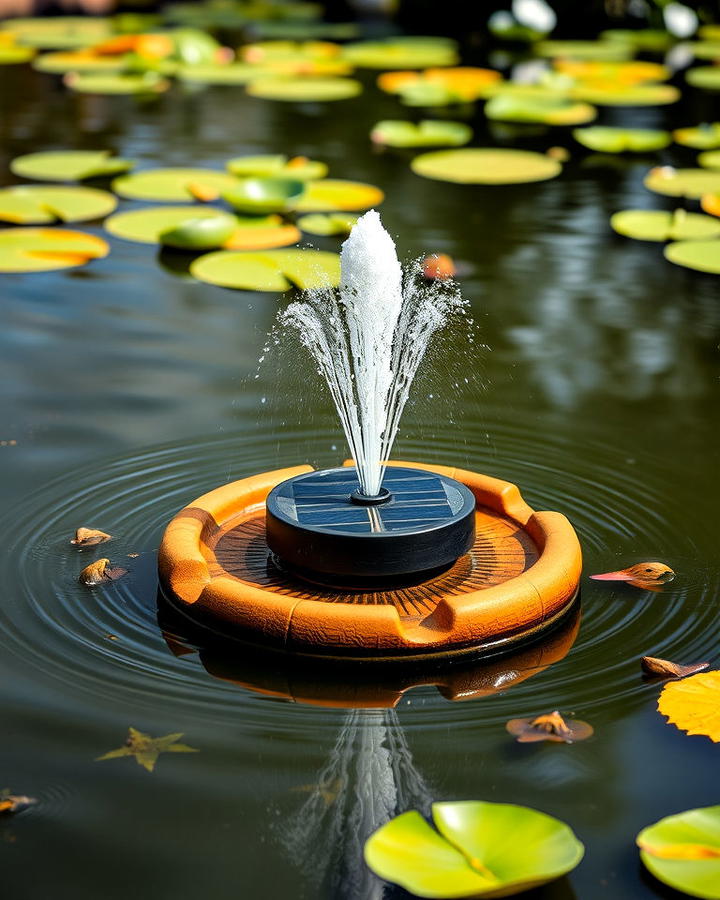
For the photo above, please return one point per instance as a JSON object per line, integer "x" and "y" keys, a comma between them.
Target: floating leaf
{"x": 99, "y": 572}
{"x": 438, "y": 267}
{"x": 61, "y": 62}
{"x": 663, "y": 668}
{"x": 261, "y": 196}
{"x": 621, "y": 73}
{"x": 657, "y": 225}
{"x": 258, "y": 237}
{"x": 692, "y": 704}
{"x": 704, "y": 49}
{"x": 608, "y": 93}
{"x": 486, "y": 166}
{"x": 509, "y": 107}
{"x": 683, "y": 851}
{"x": 298, "y": 167}
{"x": 707, "y": 77}
{"x": 621, "y": 140}
{"x": 14, "y": 55}
{"x": 711, "y": 204}
{"x": 59, "y": 31}
{"x": 710, "y": 159}
{"x": 276, "y": 270}
{"x": 461, "y": 84}
{"x": 648, "y": 39}
{"x": 263, "y": 53}
{"x": 643, "y": 575}
{"x": 319, "y": 223}
{"x": 44, "y": 249}
{"x": 305, "y": 90}
{"x": 336, "y": 195}
{"x": 173, "y": 184}
{"x": 213, "y": 73}
{"x": 605, "y": 51}
{"x": 69, "y": 165}
{"x": 88, "y": 537}
{"x": 479, "y": 849}
{"x": 428, "y": 133}
{"x": 29, "y": 204}
{"x": 12, "y": 803}
{"x": 146, "y": 749}
{"x": 200, "y": 233}
{"x": 702, "y": 137}
{"x": 101, "y": 83}
{"x": 402, "y": 53}
{"x": 550, "y": 727}
{"x": 690, "y": 183}
{"x": 703, "y": 256}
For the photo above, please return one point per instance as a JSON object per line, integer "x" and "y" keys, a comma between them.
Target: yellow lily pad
{"x": 59, "y": 32}
{"x": 277, "y": 164}
{"x": 608, "y": 93}
{"x": 275, "y": 270}
{"x": 710, "y": 159}
{"x": 621, "y": 73}
{"x": 27, "y": 204}
{"x": 326, "y": 225}
{"x": 12, "y": 55}
{"x": 547, "y": 111}
{"x": 428, "y": 133}
{"x": 690, "y": 183}
{"x": 457, "y": 84}
{"x": 658, "y": 225}
{"x": 260, "y": 196}
{"x": 61, "y": 61}
{"x": 336, "y": 195}
{"x": 212, "y": 73}
{"x": 486, "y": 166}
{"x": 402, "y": 53}
{"x": 707, "y": 77}
{"x": 174, "y": 184}
{"x": 702, "y": 137}
{"x": 703, "y": 256}
{"x": 622, "y": 140}
{"x": 101, "y": 83}
{"x": 301, "y": 89}
{"x": 45, "y": 249}
{"x": 604, "y": 51}
{"x": 69, "y": 165}
{"x": 147, "y": 225}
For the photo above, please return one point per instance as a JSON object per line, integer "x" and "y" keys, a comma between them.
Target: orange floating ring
{"x": 520, "y": 576}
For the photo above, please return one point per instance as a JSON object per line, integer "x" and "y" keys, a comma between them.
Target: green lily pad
{"x": 479, "y": 850}
{"x": 12, "y": 55}
{"x": 611, "y": 94}
{"x": 61, "y": 62}
{"x": 302, "y": 89}
{"x": 621, "y": 140}
{"x": 44, "y": 249}
{"x": 428, "y": 133}
{"x": 264, "y": 195}
{"x": 704, "y": 49}
{"x": 326, "y": 225}
{"x": 213, "y": 73}
{"x": 337, "y": 195}
{"x": 707, "y": 77}
{"x": 174, "y": 184}
{"x": 610, "y": 51}
{"x": 701, "y": 137}
{"x": 194, "y": 47}
{"x": 710, "y": 159}
{"x": 658, "y": 225}
{"x": 704, "y": 256}
{"x": 29, "y": 204}
{"x": 486, "y": 166}
{"x": 647, "y": 39}
{"x": 508, "y": 107}
{"x": 274, "y": 270}
{"x": 402, "y": 53}
{"x": 277, "y": 164}
{"x": 59, "y": 32}
{"x": 690, "y": 183}
{"x": 147, "y": 225}
{"x": 683, "y": 851}
{"x": 69, "y": 165}
{"x": 101, "y": 83}
{"x": 200, "y": 233}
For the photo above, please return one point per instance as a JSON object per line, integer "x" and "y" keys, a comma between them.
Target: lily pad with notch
{"x": 622, "y": 140}
{"x": 30, "y": 204}
{"x": 689, "y": 183}
{"x": 658, "y": 225}
{"x": 338, "y": 195}
{"x": 174, "y": 184}
{"x": 46, "y": 249}
{"x": 305, "y": 89}
{"x": 517, "y": 107}
{"x": 69, "y": 165}
{"x": 299, "y": 167}
{"x": 274, "y": 270}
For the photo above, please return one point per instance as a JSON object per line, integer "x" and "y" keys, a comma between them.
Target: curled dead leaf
{"x": 438, "y": 267}
{"x": 647, "y": 575}
{"x": 10, "y": 803}
{"x": 549, "y": 727}
{"x": 99, "y": 572}
{"x": 664, "y": 668}
{"x": 87, "y": 537}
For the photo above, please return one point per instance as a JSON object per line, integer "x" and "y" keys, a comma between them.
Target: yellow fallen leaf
{"x": 692, "y": 704}
{"x": 146, "y": 749}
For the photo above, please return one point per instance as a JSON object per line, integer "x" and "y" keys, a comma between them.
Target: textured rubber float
{"x": 520, "y": 576}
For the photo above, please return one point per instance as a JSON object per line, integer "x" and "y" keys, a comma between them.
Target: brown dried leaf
{"x": 647, "y": 575}
{"x": 99, "y": 572}
{"x": 664, "y": 668}
{"x": 549, "y": 727}
{"x": 86, "y": 537}
{"x": 9, "y": 803}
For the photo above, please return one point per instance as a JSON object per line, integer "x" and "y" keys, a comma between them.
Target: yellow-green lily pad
{"x": 337, "y": 195}
{"x": 60, "y": 62}
{"x": 274, "y": 270}
{"x": 69, "y": 165}
{"x": 200, "y": 232}
{"x": 710, "y": 159}
{"x": 12, "y": 55}
{"x": 647, "y": 39}
{"x": 44, "y": 249}
{"x": 658, "y": 225}
{"x": 302, "y": 89}
{"x": 622, "y": 140}
{"x": 101, "y": 83}
{"x": 683, "y": 851}
{"x": 487, "y": 165}
{"x": 702, "y": 137}
{"x": 605, "y": 51}
{"x": 147, "y": 225}
{"x": 30, "y": 204}
{"x": 704, "y": 256}
{"x": 213, "y": 73}
{"x": 612, "y": 94}
{"x": 707, "y": 77}
{"x": 479, "y": 850}
{"x": 298, "y": 167}
{"x": 174, "y": 184}
{"x": 265, "y": 195}
{"x": 509, "y": 107}
{"x": 402, "y": 53}
{"x": 690, "y": 183}
{"x": 59, "y": 32}
{"x": 326, "y": 225}
{"x": 428, "y": 133}
{"x": 704, "y": 49}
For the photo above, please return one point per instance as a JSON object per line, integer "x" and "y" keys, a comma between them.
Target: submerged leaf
{"x": 643, "y": 575}
{"x": 549, "y": 727}
{"x": 663, "y": 668}
{"x": 99, "y": 572}
{"x": 692, "y": 704}
{"x": 146, "y": 749}
{"x": 87, "y": 537}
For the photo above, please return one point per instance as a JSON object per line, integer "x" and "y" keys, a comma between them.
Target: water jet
{"x": 377, "y": 558}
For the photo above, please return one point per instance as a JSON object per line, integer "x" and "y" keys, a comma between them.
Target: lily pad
{"x": 479, "y": 850}
{"x": 621, "y": 73}
{"x": 690, "y": 183}
{"x": 704, "y": 49}
{"x": 275, "y": 270}
{"x": 607, "y": 93}
{"x": 101, "y": 83}
{"x": 304, "y": 90}
{"x": 710, "y": 159}
{"x": 174, "y": 184}
{"x": 265, "y": 195}
{"x": 200, "y": 232}
{"x": 605, "y": 51}
{"x": 69, "y": 165}
{"x": 622, "y": 140}
{"x": 547, "y": 111}
{"x": 701, "y": 137}
{"x": 683, "y": 851}
{"x": 60, "y": 62}
{"x": 647, "y": 39}
{"x": 703, "y": 256}
{"x": 28, "y": 204}
{"x": 658, "y": 225}
{"x": 298, "y": 167}
{"x": 428, "y": 133}
{"x": 147, "y": 225}
{"x": 213, "y": 73}
{"x": 486, "y": 166}
{"x": 12, "y": 55}
{"x": 336, "y": 195}
{"x": 59, "y": 32}
{"x": 707, "y": 77}
{"x": 461, "y": 84}
{"x": 402, "y": 53}
{"x": 325, "y": 225}
{"x": 45, "y": 249}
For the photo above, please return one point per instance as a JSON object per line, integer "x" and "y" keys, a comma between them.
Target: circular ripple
{"x": 107, "y": 641}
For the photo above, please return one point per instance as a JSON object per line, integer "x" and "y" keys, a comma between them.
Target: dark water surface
{"x": 130, "y": 389}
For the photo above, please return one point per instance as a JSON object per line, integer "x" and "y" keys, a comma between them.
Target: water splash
{"x": 369, "y": 338}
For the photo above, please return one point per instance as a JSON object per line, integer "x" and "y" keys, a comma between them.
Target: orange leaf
{"x": 11, "y": 804}
{"x": 257, "y": 237}
{"x": 711, "y": 204}
{"x": 663, "y": 668}
{"x": 692, "y": 704}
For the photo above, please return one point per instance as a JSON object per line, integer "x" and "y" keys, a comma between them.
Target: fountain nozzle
{"x": 383, "y": 496}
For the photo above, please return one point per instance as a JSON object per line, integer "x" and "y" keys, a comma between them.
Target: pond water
{"x": 129, "y": 389}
